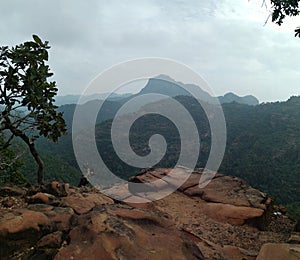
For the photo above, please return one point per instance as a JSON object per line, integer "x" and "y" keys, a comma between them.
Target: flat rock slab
{"x": 279, "y": 252}
{"x": 83, "y": 203}
{"x": 235, "y": 215}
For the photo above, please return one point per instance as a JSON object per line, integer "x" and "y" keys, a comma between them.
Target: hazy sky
{"x": 225, "y": 41}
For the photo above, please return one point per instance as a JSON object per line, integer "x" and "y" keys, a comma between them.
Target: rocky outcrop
{"x": 279, "y": 252}
{"x": 229, "y": 199}
{"x": 85, "y": 224}
{"x": 220, "y": 221}
{"x": 228, "y": 219}
{"x": 121, "y": 233}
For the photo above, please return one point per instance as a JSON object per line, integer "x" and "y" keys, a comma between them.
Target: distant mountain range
{"x": 231, "y": 97}
{"x": 164, "y": 85}
{"x": 74, "y": 99}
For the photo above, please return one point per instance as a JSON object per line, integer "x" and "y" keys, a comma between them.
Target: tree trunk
{"x": 31, "y": 146}
{"x": 39, "y": 162}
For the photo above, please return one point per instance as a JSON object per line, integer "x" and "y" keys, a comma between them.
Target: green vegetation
{"x": 27, "y": 98}
{"x": 263, "y": 145}
{"x": 294, "y": 210}
{"x": 10, "y": 166}
{"x": 55, "y": 169}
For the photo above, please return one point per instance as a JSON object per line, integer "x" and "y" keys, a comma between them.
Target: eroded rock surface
{"x": 85, "y": 224}
{"x": 279, "y": 252}
{"x": 227, "y": 219}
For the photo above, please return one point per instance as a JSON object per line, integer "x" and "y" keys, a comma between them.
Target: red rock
{"x": 192, "y": 181}
{"x": 99, "y": 199}
{"x": 179, "y": 226}
{"x": 228, "y": 190}
{"x": 235, "y": 253}
{"x": 142, "y": 216}
{"x": 83, "y": 204}
{"x": 279, "y": 252}
{"x": 52, "y": 240}
{"x": 108, "y": 237}
{"x": 231, "y": 214}
{"x": 43, "y": 198}
{"x": 119, "y": 192}
{"x": 22, "y": 221}
{"x": 78, "y": 203}
{"x": 8, "y": 203}
{"x": 56, "y": 188}
{"x": 194, "y": 191}
{"x": 60, "y": 218}
{"x": 294, "y": 238}
{"x": 282, "y": 209}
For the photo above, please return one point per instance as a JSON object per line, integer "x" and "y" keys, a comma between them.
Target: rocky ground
{"x": 227, "y": 219}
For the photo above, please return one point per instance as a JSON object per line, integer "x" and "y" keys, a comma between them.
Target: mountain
{"x": 165, "y": 85}
{"x": 231, "y": 97}
{"x": 161, "y": 84}
{"x": 108, "y": 110}
{"x": 74, "y": 99}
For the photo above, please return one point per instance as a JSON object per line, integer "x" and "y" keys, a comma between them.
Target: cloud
{"x": 225, "y": 41}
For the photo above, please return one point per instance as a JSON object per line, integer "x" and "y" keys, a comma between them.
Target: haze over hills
{"x": 263, "y": 143}
{"x": 231, "y": 97}
{"x": 161, "y": 84}
{"x": 74, "y": 99}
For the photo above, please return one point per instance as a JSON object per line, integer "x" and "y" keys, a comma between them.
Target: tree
{"x": 27, "y": 107}
{"x": 283, "y": 8}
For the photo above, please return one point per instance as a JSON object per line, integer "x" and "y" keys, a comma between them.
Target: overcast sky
{"x": 225, "y": 41}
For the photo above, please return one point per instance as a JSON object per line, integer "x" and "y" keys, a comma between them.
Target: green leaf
{"x": 37, "y": 39}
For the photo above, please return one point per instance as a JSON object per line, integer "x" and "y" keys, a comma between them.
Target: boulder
{"x": 294, "y": 238}
{"x": 227, "y": 213}
{"x": 83, "y": 203}
{"x": 52, "y": 240}
{"x": 12, "y": 191}
{"x": 8, "y": 202}
{"x": 22, "y": 221}
{"x": 43, "y": 198}
{"x": 272, "y": 251}
{"x": 236, "y": 253}
{"x": 121, "y": 234}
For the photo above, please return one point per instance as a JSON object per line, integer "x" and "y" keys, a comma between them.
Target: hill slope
{"x": 263, "y": 144}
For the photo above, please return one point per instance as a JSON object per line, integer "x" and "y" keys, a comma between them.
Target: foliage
{"x": 283, "y": 8}
{"x": 10, "y": 166}
{"x": 294, "y": 210}
{"x": 27, "y": 98}
{"x": 263, "y": 145}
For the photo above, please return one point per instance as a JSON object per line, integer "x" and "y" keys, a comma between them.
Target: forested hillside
{"x": 263, "y": 144}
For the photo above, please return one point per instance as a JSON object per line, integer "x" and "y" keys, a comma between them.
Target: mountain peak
{"x": 164, "y": 84}
{"x": 232, "y": 97}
